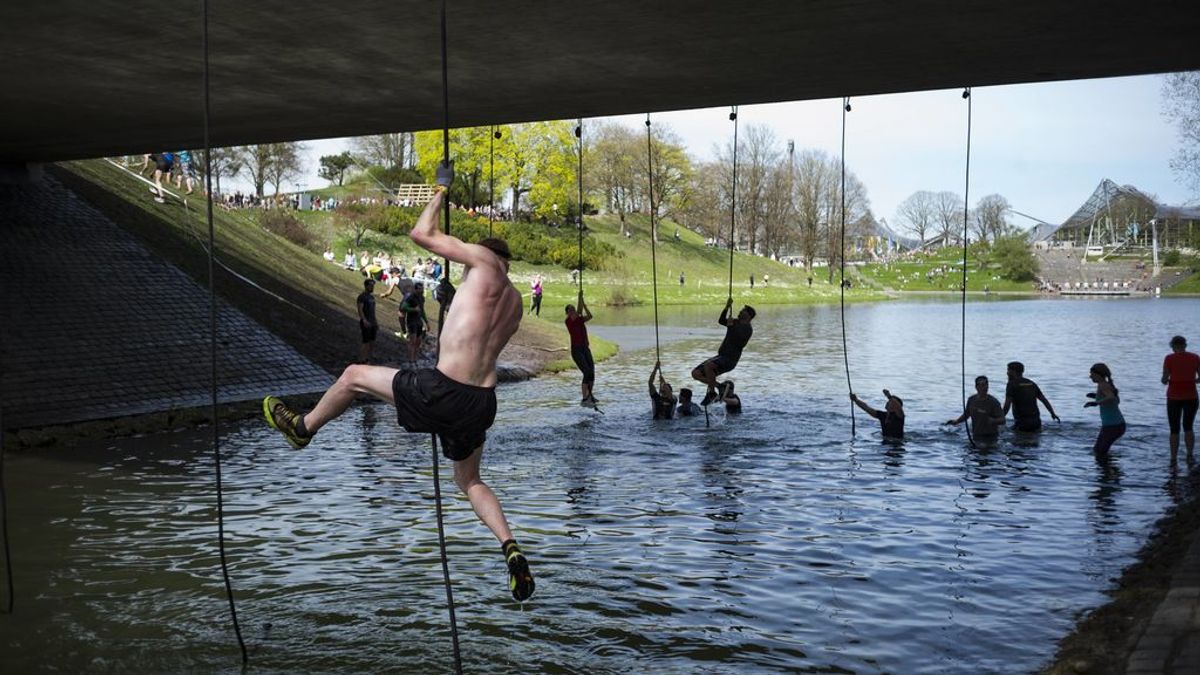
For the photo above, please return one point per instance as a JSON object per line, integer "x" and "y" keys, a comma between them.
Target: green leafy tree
{"x": 1014, "y": 258}
{"x": 672, "y": 171}
{"x": 612, "y": 171}
{"x": 334, "y": 167}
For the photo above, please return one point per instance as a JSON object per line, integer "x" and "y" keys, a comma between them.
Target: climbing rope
{"x": 437, "y": 482}
{"x": 842, "y": 260}
{"x": 492, "y": 179}
{"x": 966, "y": 214}
{"x": 653, "y": 253}
{"x": 9, "y": 599}
{"x": 212, "y": 319}
{"x": 733, "y": 117}
{"x": 579, "y": 175}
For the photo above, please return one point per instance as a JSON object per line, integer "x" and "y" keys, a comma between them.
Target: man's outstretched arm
{"x": 427, "y": 235}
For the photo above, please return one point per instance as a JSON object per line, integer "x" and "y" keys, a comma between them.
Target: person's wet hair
{"x": 570, "y": 308}
{"x": 367, "y": 283}
{"x": 1179, "y": 341}
{"x": 685, "y": 393}
{"x": 749, "y": 310}
{"x": 981, "y": 378}
{"x": 1017, "y": 367}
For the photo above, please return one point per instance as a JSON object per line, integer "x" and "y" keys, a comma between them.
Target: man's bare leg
{"x": 355, "y": 380}
{"x": 483, "y": 500}
{"x": 487, "y": 508}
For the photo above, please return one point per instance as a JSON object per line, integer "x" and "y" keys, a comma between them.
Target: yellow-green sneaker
{"x": 520, "y": 579}
{"x": 283, "y": 419}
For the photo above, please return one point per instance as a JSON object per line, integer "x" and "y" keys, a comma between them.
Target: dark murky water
{"x": 770, "y": 542}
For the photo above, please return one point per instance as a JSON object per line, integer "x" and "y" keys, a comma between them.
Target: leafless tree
{"x": 270, "y": 162}
{"x": 612, "y": 171}
{"x": 917, "y": 214}
{"x": 386, "y": 150}
{"x": 989, "y": 219}
{"x": 948, "y": 208}
{"x": 1181, "y": 105}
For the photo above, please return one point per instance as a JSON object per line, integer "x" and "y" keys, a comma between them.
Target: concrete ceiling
{"x": 108, "y": 77}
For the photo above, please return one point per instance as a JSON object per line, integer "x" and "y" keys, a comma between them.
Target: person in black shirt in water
{"x": 733, "y": 403}
{"x": 687, "y": 407}
{"x": 737, "y": 334}
{"x": 1022, "y": 394}
{"x": 662, "y": 400}
{"x": 984, "y": 411}
{"x": 891, "y": 418}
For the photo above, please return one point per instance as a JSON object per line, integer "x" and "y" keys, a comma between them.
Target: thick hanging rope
{"x": 9, "y": 599}
{"x": 653, "y": 232}
{"x": 733, "y": 117}
{"x": 966, "y": 217}
{"x": 842, "y": 260}
{"x": 579, "y": 224}
{"x": 437, "y": 483}
{"x": 212, "y": 320}
{"x": 492, "y": 179}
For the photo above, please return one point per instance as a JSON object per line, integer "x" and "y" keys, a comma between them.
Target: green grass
{"x": 911, "y": 275}
{"x": 629, "y": 279}
{"x": 1189, "y": 286}
{"x": 317, "y": 312}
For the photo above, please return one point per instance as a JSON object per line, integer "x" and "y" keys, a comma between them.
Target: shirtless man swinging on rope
{"x": 455, "y": 400}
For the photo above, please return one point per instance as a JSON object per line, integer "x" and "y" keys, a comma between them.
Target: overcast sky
{"x": 1045, "y": 147}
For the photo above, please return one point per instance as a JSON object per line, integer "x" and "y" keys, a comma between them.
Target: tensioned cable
{"x": 10, "y": 599}
{"x": 492, "y": 179}
{"x": 579, "y": 225}
{"x": 653, "y": 254}
{"x": 212, "y": 320}
{"x": 842, "y": 259}
{"x": 437, "y": 487}
{"x": 966, "y": 213}
{"x": 733, "y": 117}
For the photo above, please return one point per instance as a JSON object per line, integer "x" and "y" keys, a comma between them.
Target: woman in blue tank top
{"x": 1112, "y": 423}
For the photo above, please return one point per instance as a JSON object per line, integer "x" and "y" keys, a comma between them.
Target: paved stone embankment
{"x": 1170, "y": 644}
{"x": 93, "y": 325}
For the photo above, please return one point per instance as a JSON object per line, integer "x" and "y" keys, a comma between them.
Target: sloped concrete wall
{"x": 93, "y": 325}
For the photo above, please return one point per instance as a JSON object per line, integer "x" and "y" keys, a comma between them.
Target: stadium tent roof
{"x": 110, "y": 77}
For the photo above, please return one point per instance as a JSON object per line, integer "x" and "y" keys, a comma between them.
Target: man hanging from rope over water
{"x": 455, "y": 400}
{"x": 737, "y": 334}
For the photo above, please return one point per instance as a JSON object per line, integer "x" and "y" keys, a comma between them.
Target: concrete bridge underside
{"x": 110, "y": 77}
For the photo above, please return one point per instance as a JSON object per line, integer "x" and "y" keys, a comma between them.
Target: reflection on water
{"x": 771, "y": 541}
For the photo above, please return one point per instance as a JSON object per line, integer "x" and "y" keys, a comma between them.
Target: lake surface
{"x": 774, "y": 541}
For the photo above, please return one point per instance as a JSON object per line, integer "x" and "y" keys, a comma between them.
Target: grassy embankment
{"x": 1189, "y": 286}
{"x": 304, "y": 300}
{"x": 939, "y": 271}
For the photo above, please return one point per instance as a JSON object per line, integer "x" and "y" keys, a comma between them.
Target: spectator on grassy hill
{"x": 416, "y": 324}
{"x": 163, "y": 164}
{"x": 367, "y": 324}
{"x": 535, "y": 301}
{"x": 328, "y": 254}
{"x": 348, "y": 261}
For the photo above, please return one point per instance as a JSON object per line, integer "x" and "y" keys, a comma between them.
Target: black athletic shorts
{"x": 721, "y": 364}
{"x": 460, "y": 414}
{"x": 416, "y": 327}
{"x": 582, "y": 355}
{"x": 368, "y": 332}
{"x": 163, "y": 164}
{"x": 1181, "y": 411}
